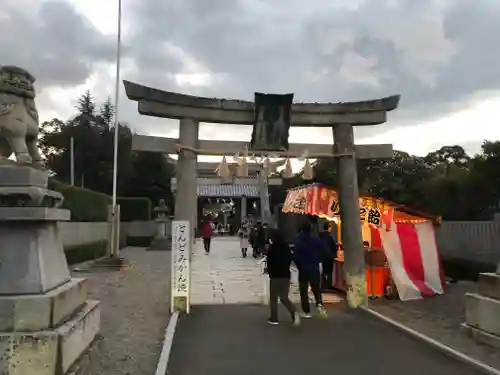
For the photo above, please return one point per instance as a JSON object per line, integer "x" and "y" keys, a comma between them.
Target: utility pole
{"x": 72, "y": 160}
{"x": 115, "y": 210}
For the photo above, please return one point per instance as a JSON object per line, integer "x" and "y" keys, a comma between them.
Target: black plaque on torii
{"x": 272, "y": 118}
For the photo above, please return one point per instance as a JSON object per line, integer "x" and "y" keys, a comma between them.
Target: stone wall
{"x": 82, "y": 233}
{"x": 139, "y": 228}
{"x": 475, "y": 241}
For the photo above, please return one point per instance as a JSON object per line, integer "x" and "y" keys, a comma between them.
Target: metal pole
{"x": 114, "y": 219}
{"x": 72, "y": 160}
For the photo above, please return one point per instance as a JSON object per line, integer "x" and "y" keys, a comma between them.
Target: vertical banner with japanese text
{"x": 271, "y": 122}
{"x": 181, "y": 270}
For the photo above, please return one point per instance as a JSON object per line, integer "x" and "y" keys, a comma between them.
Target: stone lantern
{"x": 163, "y": 238}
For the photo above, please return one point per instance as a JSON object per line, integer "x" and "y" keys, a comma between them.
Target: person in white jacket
{"x": 244, "y": 235}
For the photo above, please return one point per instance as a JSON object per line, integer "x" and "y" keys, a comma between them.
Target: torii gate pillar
{"x": 185, "y": 197}
{"x": 352, "y": 240}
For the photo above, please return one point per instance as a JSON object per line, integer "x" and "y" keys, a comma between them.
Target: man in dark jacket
{"x": 279, "y": 259}
{"x": 259, "y": 240}
{"x": 327, "y": 270}
{"x": 309, "y": 252}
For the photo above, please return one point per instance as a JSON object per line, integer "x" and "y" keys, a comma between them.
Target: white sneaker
{"x": 322, "y": 311}
{"x": 304, "y": 315}
{"x": 296, "y": 319}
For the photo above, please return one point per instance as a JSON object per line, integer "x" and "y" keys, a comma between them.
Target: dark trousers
{"x": 279, "y": 289}
{"x": 257, "y": 250}
{"x": 312, "y": 278}
{"x": 327, "y": 276}
{"x": 206, "y": 243}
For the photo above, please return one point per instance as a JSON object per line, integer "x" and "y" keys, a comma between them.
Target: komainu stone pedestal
{"x": 482, "y": 310}
{"x": 32, "y": 257}
{"x": 47, "y": 323}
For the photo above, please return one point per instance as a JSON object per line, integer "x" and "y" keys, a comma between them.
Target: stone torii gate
{"x": 341, "y": 117}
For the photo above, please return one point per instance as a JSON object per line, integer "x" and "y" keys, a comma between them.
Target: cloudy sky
{"x": 442, "y": 56}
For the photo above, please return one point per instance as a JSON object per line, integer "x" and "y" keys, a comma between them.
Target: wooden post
{"x": 354, "y": 257}
{"x": 113, "y": 247}
{"x": 264, "y": 197}
{"x": 111, "y": 234}
{"x": 339, "y": 232}
{"x": 243, "y": 209}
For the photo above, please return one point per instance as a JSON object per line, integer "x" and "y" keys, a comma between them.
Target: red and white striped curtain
{"x": 413, "y": 258}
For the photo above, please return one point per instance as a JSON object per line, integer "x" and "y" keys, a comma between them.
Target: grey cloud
{"x": 59, "y": 46}
{"x": 434, "y": 53}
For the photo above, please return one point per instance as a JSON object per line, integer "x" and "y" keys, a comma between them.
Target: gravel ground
{"x": 134, "y": 313}
{"x": 439, "y": 318}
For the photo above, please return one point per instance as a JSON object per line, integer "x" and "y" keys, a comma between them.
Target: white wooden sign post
{"x": 181, "y": 266}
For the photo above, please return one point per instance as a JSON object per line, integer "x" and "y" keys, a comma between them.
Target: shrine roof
{"x": 227, "y": 190}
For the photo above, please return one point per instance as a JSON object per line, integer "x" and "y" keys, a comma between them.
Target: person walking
{"x": 244, "y": 235}
{"x": 309, "y": 251}
{"x": 279, "y": 259}
{"x": 207, "y": 233}
{"x": 327, "y": 262}
{"x": 251, "y": 239}
{"x": 265, "y": 239}
{"x": 259, "y": 240}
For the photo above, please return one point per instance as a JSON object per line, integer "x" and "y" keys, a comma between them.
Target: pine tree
{"x": 107, "y": 113}
{"x": 86, "y": 104}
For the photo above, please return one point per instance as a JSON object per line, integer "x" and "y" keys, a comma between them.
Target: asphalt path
{"x": 235, "y": 339}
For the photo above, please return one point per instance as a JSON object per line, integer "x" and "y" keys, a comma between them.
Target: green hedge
{"x": 84, "y": 204}
{"x": 91, "y": 251}
{"x": 88, "y": 205}
{"x": 139, "y": 241}
{"x": 83, "y": 253}
{"x": 134, "y": 209}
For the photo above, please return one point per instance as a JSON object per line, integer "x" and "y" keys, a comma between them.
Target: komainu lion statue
{"x": 18, "y": 116}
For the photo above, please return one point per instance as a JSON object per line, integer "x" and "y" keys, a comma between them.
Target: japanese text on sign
{"x": 370, "y": 215}
{"x": 181, "y": 241}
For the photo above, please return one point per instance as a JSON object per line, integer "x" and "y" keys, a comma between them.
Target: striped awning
{"x": 227, "y": 190}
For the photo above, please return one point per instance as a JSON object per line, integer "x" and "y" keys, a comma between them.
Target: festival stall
{"x": 400, "y": 242}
